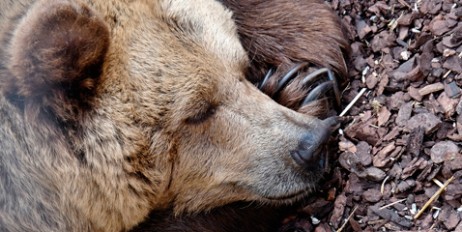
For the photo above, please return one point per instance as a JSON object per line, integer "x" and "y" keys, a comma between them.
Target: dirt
{"x": 403, "y": 139}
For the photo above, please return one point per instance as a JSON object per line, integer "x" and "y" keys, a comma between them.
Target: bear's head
{"x": 152, "y": 103}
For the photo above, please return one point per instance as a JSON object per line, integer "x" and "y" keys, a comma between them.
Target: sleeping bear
{"x": 288, "y": 42}
{"x": 114, "y": 110}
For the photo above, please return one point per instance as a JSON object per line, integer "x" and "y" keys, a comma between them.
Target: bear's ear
{"x": 57, "y": 53}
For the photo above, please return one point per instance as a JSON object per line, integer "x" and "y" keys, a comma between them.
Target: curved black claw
{"x": 289, "y": 76}
{"x": 292, "y": 74}
{"x": 318, "y": 92}
{"x": 267, "y": 76}
{"x": 322, "y": 88}
{"x": 316, "y": 78}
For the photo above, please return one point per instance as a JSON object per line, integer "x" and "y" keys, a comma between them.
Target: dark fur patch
{"x": 237, "y": 217}
{"x": 281, "y": 33}
{"x": 57, "y": 54}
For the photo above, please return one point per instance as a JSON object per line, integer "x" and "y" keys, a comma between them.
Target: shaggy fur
{"x": 275, "y": 34}
{"x": 280, "y": 34}
{"x": 114, "y": 109}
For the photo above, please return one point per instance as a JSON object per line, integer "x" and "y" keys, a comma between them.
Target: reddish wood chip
{"x": 339, "y": 208}
{"x": 391, "y": 216}
{"x": 439, "y": 26}
{"x": 404, "y": 114}
{"x": 416, "y": 164}
{"x": 362, "y": 28}
{"x": 372, "y": 195}
{"x": 364, "y": 153}
{"x": 454, "y": 164}
{"x": 414, "y": 93}
{"x": 435, "y": 87}
{"x": 444, "y": 151}
{"x": 375, "y": 174}
{"x": 450, "y": 217}
{"x": 383, "y": 116}
{"x": 428, "y": 121}
{"x": 453, "y": 63}
{"x": 347, "y": 145}
{"x": 382, "y": 158}
{"x": 447, "y": 104}
{"x": 382, "y": 40}
{"x": 430, "y": 7}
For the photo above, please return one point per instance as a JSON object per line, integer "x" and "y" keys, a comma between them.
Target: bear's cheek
{"x": 218, "y": 159}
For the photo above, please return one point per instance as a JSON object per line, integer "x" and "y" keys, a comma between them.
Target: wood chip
{"x": 435, "y": 87}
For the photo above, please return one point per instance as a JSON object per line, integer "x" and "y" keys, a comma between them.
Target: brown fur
{"x": 238, "y": 217}
{"x": 114, "y": 109}
{"x": 277, "y": 33}
{"x": 282, "y": 33}
{"x": 55, "y": 64}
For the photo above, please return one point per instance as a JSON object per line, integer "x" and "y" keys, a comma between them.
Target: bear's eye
{"x": 202, "y": 115}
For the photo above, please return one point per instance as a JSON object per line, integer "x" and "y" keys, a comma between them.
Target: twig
{"x": 363, "y": 90}
{"x": 348, "y": 219}
{"x": 393, "y": 203}
{"x": 433, "y": 225}
{"x": 382, "y": 187}
{"x": 433, "y": 198}
{"x": 374, "y": 126}
{"x": 437, "y": 182}
{"x": 447, "y": 74}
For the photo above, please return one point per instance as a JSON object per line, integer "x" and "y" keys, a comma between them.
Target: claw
{"x": 289, "y": 76}
{"x": 308, "y": 80}
{"x": 267, "y": 76}
{"x": 315, "y": 93}
{"x": 314, "y": 76}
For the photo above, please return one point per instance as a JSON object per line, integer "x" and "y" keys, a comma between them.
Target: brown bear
{"x": 278, "y": 35}
{"x": 114, "y": 109}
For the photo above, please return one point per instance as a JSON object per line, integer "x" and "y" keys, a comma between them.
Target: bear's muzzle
{"x": 310, "y": 152}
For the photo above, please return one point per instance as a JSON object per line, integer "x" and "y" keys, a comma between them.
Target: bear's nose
{"x": 310, "y": 148}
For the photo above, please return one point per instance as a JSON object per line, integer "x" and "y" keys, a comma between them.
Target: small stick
{"x": 363, "y": 90}
{"x": 447, "y": 73}
{"x": 374, "y": 126}
{"x": 433, "y": 225}
{"x": 348, "y": 219}
{"x": 437, "y": 182}
{"x": 393, "y": 203}
{"x": 382, "y": 187}
{"x": 433, "y": 198}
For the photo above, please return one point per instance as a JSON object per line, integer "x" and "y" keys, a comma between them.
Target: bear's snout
{"x": 309, "y": 152}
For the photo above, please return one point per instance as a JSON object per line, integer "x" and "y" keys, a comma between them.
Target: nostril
{"x": 308, "y": 151}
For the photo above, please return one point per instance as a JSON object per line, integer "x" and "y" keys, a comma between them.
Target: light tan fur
{"x": 156, "y": 115}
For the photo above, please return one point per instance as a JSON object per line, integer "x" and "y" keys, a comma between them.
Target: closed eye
{"x": 202, "y": 116}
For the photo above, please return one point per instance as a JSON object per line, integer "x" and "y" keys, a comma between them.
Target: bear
{"x": 114, "y": 109}
{"x": 277, "y": 34}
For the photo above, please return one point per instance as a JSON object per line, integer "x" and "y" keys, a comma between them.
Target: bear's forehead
{"x": 209, "y": 24}
{"x": 175, "y": 35}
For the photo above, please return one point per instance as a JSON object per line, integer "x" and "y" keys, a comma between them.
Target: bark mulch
{"x": 399, "y": 164}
